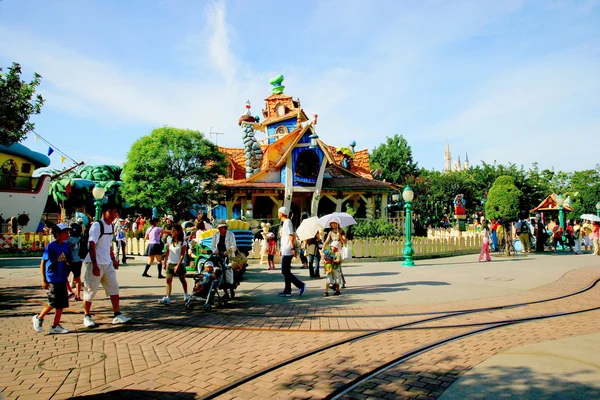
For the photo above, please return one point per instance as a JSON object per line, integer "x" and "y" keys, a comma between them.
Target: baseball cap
{"x": 283, "y": 210}
{"x": 63, "y": 227}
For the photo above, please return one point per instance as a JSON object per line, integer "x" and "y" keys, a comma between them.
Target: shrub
{"x": 374, "y": 228}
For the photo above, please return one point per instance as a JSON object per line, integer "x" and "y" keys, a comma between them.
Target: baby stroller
{"x": 209, "y": 295}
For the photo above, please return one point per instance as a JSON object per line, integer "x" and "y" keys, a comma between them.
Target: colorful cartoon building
{"x": 291, "y": 166}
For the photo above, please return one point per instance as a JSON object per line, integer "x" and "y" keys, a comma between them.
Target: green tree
{"x": 503, "y": 203}
{"x": 18, "y": 102}
{"x": 172, "y": 169}
{"x": 394, "y": 158}
{"x": 584, "y": 191}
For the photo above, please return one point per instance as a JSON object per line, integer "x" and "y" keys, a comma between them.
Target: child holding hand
{"x": 333, "y": 263}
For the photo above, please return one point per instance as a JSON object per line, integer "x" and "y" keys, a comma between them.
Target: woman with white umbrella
{"x": 337, "y": 234}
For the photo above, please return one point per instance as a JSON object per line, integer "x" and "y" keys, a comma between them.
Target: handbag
{"x": 229, "y": 276}
{"x": 346, "y": 253}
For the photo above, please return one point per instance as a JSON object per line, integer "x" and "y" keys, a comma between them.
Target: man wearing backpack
{"x": 100, "y": 267}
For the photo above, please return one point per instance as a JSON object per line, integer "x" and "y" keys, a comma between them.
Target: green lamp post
{"x": 598, "y": 209}
{"x": 98, "y": 193}
{"x": 560, "y": 201}
{"x": 408, "y": 251}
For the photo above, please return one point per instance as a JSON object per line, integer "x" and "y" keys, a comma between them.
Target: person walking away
{"x": 174, "y": 263}
{"x": 333, "y": 268}
{"x": 577, "y": 237}
{"x": 100, "y": 267}
{"x": 523, "y": 233}
{"x": 55, "y": 278}
{"x": 140, "y": 231}
{"x": 484, "y": 254}
{"x": 313, "y": 249}
{"x": 569, "y": 236}
{"x": 154, "y": 248}
{"x": 540, "y": 235}
{"x": 76, "y": 261}
{"x": 271, "y": 249}
{"x": 557, "y": 234}
{"x": 121, "y": 237}
{"x": 337, "y": 234}
{"x": 494, "y": 235}
{"x": 288, "y": 251}
{"x": 595, "y": 236}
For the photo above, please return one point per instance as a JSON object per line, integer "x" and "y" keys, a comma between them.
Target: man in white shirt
{"x": 288, "y": 251}
{"x": 100, "y": 267}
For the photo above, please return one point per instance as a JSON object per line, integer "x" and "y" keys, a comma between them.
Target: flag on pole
{"x": 50, "y": 150}
{"x": 36, "y": 137}
{"x": 62, "y": 159}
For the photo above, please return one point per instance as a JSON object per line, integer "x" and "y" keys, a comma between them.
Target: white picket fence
{"x": 376, "y": 248}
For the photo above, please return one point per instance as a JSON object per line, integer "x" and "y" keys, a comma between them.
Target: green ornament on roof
{"x": 277, "y": 86}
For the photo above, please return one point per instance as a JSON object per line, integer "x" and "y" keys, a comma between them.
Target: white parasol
{"x": 590, "y": 217}
{"x": 308, "y": 228}
{"x": 343, "y": 219}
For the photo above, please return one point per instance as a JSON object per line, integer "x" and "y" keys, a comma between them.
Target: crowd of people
{"x": 579, "y": 236}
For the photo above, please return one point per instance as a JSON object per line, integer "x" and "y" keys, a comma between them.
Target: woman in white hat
{"x": 337, "y": 234}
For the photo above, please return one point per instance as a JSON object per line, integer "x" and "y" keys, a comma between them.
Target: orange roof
{"x": 360, "y": 165}
{"x": 550, "y": 204}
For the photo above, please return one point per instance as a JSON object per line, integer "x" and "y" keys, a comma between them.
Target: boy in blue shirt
{"x": 55, "y": 275}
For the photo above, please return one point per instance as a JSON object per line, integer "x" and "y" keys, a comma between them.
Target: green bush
{"x": 374, "y": 228}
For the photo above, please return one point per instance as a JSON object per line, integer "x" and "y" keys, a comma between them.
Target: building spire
{"x": 447, "y": 157}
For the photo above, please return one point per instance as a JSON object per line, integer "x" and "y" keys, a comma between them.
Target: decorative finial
{"x": 248, "y": 106}
{"x": 316, "y": 116}
{"x": 277, "y": 86}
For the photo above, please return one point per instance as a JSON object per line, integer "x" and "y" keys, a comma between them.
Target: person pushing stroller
{"x": 223, "y": 243}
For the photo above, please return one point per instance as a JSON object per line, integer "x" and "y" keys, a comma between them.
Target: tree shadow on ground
{"x": 130, "y": 394}
{"x": 503, "y": 382}
{"x": 409, "y": 382}
{"x": 12, "y": 298}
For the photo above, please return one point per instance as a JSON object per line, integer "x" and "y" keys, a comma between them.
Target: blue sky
{"x": 511, "y": 81}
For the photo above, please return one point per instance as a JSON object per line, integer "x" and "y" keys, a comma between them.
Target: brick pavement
{"x": 185, "y": 354}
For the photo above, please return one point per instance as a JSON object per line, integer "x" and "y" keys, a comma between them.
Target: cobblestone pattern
{"x": 171, "y": 353}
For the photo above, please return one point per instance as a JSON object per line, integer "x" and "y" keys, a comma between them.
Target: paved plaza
{"x": 169, "y": 352}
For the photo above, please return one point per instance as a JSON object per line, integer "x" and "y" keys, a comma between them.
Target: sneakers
{"x": 336, "y": 293}
{"x": 325, "y": 294}
{"x": 88, "y": 322}
{"x": 145, "y": 275}
{"x": 58, "y": 329}
{"x": 120, "y": 319}
{"x": 161, "y": 277}
{"x": 282, "y": 294}
{"x": 71, "y": 296}
{"x": 37, "y": 324}
{"x": 302, "y": 289}
{"x": 165, "y": 300}
{"x": 186, "y": 297}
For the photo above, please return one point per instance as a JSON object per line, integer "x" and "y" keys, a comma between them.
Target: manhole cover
{"x": 498, "y": 279}
{"x": 73, "y": 360}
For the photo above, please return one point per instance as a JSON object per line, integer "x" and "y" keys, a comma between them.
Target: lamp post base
{"x": 408, "y": 262}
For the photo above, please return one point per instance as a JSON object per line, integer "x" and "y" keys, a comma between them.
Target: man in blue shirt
{"x": 55, "y": 274}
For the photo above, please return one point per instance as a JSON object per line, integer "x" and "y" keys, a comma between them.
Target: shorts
{"x": 270, "y": 257}
{"x": 139, "y": 235}
{"x": 154, "y": 249}
{"x": 587, "y": 241}
{"x": 57, "y": 295}
{"x": 171, "y": 270}
{"x": 334, "y": 277}
{"x": 75, "y": 268}
{"x": 91, "y": 282}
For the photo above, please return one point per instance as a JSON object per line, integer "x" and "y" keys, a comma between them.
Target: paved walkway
{"x": 169, "y": 352}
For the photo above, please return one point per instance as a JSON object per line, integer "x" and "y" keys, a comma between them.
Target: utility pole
{"x": 216, "y": 135}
